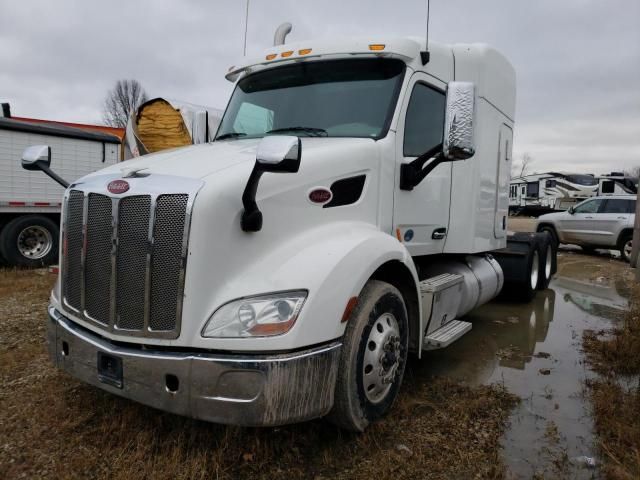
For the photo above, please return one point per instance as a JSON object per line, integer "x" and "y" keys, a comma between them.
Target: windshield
{"x": 337, "y": 98}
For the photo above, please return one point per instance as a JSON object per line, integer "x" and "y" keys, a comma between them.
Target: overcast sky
{"x": 577, "y": 61}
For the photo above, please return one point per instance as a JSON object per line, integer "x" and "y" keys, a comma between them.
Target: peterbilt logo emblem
{"x": 118, "y": 186}
{"x": 320, "y": 195}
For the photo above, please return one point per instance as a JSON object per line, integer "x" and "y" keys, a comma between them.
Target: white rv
{"x": 547, "y": 192}
{"x": 30, "y": 202}
{"x": 617, "y": 184}
{"x": 351, "y": 210}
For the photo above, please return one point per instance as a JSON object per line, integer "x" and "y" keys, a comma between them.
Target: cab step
{"x": 446, "y": 335}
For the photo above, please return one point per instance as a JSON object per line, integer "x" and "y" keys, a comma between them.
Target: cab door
{"x": 421, "y": 215}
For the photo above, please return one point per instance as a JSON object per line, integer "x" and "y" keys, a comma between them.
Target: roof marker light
{"x": 376, "y": 47}
{"x": 287, "y": 53}
{"x": 304, "y": 51}
{"x": 271, "y": 56}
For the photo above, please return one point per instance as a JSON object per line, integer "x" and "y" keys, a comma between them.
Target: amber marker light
{"x": 304, "y": 51}
{"x": 351, "y": 304}
{"x": 398, "y": 235}
{"x": 286, "y": 54}
{"x": 271, "y": 56}
{"x": 376, "y": 47}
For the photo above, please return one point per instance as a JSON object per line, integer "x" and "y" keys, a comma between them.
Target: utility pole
{"x": 635, "y": 245}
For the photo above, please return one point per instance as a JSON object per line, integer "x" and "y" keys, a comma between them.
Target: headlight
{"x": 262, "y": 316}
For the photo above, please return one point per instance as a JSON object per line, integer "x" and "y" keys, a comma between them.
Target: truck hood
{"x": 200, "y": 161}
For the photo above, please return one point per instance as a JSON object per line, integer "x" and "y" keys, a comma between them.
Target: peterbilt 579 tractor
{"x": 351, "y": 210}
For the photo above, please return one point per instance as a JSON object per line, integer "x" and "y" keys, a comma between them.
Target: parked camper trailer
{"x": 617, "y": 184}
{"x": 285, "y": 271}
{"x": 30, "y": 202}
{"x": 549, "y": 192}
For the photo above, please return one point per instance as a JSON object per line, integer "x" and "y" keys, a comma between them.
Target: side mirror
{"x": 458, "y": 143}
{"x": 279, "y": 154}
{"x": 571, "y": 210}
{"x": 38, "y": 157}
{"x": 458, "y": 139}
{"x": 276, "y": 154}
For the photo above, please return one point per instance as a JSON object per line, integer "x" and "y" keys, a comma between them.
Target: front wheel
{"x": 373, "y": 358}
{"x": 624, "y": 245}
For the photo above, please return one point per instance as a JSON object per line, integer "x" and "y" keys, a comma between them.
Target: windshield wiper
{"x": 312, "y": 131}
{"x": 230, "y": 135}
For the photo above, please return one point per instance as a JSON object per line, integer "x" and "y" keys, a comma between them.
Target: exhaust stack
{"x": 281, "y": 33}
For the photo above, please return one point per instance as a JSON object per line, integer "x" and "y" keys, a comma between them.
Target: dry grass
{"x": 615, "y": 394}
{"x": 54, "y": 426}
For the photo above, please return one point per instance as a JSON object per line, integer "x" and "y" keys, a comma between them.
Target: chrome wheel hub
{"x": 35, "y": 242}
{"x": 534, "y": 270}
{"x": 381, "y": 358}
{"x": 548, "y": 262}
{"x": 627, "y": 249}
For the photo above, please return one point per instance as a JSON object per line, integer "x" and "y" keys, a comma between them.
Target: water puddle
{"x": 535, "y": 351}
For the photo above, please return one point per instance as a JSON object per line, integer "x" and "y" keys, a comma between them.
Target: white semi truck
{"x": 351, "y": 210}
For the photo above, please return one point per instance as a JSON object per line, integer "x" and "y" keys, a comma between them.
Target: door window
{"x": 424, "y": 123}
{"x": 618, "y": 205}
{"x": 592, "y": 206}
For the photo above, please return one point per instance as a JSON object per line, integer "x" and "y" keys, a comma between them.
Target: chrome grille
{"x": 98, "y": 258}
{"x": 168, "y": 232}
{"x": 73, "y": 245}
{"x": 124, "y": 256}
{"x": 133, "y": 238}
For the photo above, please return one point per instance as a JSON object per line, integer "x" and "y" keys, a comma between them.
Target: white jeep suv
{"x": 598, "y": 222}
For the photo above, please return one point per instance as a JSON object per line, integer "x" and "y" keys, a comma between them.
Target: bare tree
{"x": 125, "y": 98}
{"x": 523, "y": 165}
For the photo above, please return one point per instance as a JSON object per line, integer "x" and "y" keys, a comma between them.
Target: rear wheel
{"x": 553, "y": 236}
{"x": 546, "y": 258}
{"x": 30, "y": 241}
{"x": 624, "y": 245}
{"x": 373, "y": 358}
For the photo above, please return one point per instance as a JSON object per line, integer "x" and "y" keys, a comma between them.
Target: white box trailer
{"x": 30, "y": 202}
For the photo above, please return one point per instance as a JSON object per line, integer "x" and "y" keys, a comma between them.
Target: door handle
{"x": 622, "y": 218}
{"x": 589, "y": 218}
{"x": 439, "y": 233}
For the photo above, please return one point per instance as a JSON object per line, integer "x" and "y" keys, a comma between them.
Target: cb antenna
{"x": 425, "y": 56}
{"x": 246, "y": 25}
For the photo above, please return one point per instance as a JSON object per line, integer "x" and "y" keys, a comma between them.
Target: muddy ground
{"x": 506, "y": 401}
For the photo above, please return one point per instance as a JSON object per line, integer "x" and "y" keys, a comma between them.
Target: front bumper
{"x": 248, "y": 390}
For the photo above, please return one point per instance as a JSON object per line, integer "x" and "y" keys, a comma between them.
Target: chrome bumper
{"x": 248, "y": 390}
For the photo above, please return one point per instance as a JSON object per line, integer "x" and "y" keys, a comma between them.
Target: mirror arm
{"x": 411, "y": 174}
{"x": 251, "y": 220}
{"x": 54, "y": 176}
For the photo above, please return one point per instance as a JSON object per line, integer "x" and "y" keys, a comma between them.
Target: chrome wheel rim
{"x": 381, "y": 358}
{"x": 35, "y": 242}
{"x": 534, "y": 270}
{"x": 627, "y": 249}
{"x": 548, "y": 262}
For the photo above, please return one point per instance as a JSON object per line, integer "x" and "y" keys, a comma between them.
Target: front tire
{"x": 373, "y": 357}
